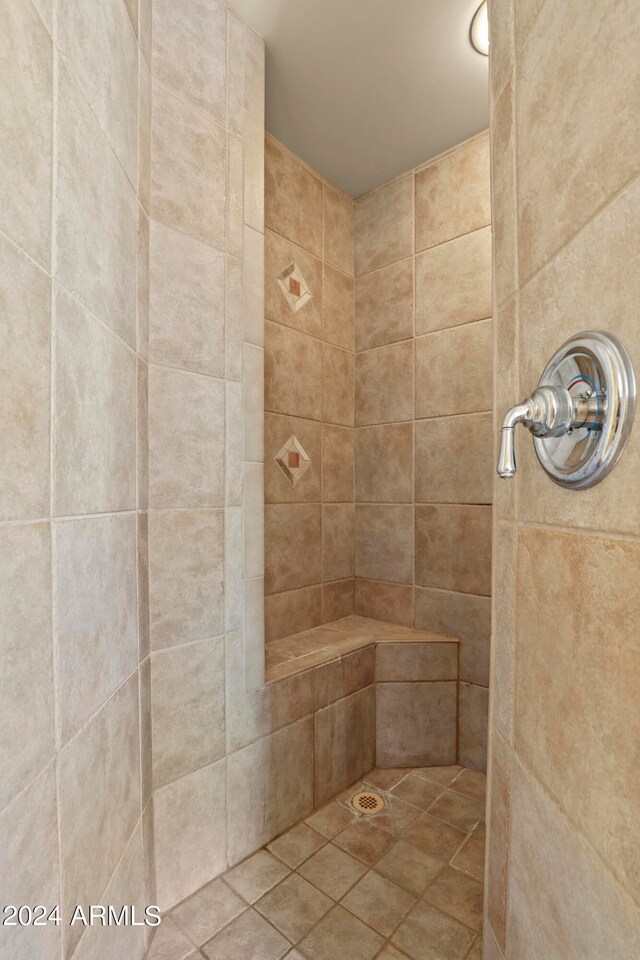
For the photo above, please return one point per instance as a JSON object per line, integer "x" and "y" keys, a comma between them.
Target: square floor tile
{"x": 169, "y": 942}
{"x": 331, "y": 819}
{"x": 409, "y": 867}
{"x": 386, "y": 779}
{"x": 416, "y": 791}
{"x": 364, "y": 841}
{"x": 297, "y": 844}
{"x": 249, "y": 937}
{"x": 456, "y": 809}
{"x": 390, "y": 953}
{"x": 429, "y": 934}
{"x": 380, "y": 903}
{"x": 403, "y": 813}
{"x": 257, "y": 875}
{"x": 459, "y": 895}
{"x": 341, "y": 935}
{"x": 208, "y": 910}
{"x": 441, "y": 775}
{"x": 333, "y": 871}
{"x": 476, "y": 951}
{"x": 473, "y": 784}
{"x": 294, "y": 906}
{"x": 470, "y": 858}
{"x": 438, "y": 839}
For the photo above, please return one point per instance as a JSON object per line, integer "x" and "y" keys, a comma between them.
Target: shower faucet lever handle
{"x": 548, "y": 412}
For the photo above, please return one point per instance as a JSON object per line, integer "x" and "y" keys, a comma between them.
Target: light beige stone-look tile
{"x": 169, "y": 942}
{"x": 416, "y": 791}
{"x": 429, "y": 934}
{"x": 416, "y": 661}
{"x": 453, "y": 547}
{"x": 415, "y": 723}
{"x": 293, "y": 198}
{"x": 463, "y": 616}
{"x": 338, "y": 308}
{"x": 471, "y": 783}
{"x": 454, "y": 459}
{"x": 142, "y": 433}
{"x": 384, "y": 542}
{"x": 254, "y": 73}
{"x": 292, "y": 366}
{"x": 253, "y": 268}
{"x": 94, "y": 415}
{"x": 296, "y": 845}
{"x": 26, "y": 55}
{"x": 384, "y": 463}
{"x": 340, "y": 932}
{"x": 384, "y": 226}
{"x": 456, "y": 809}
{"x": 473, "y": 721}
{"x": 332, "y": 870}
{"x": 248, "y": 936}
{"x": 144, "y": 131}
{"x": 470, "y": 858}
{"x": 254, "y": 521}
{"x": 503, "y": 642}
{"x": 31, "y": 869}
{"x": 208, "y": 911}
{"x": 452, "y": 194}
{"x": 257, "y": 875}
{"x": 280, "y": 254}
{"x": 293, "y": 545}
{"x": 186, "y": 439}
{"x": 189, "y": 819}
{"x": 344, "y": 743}
{"x": 501, "y": 18}
{"x": 384, "y": 384}
{"x": 99, "y": 800}
{"x": 278, "y": 430}
{"x": 142, "y": 287}
{"x": 253, "y": 403}
{"x": 185, "y": 575}
{"x": 186, "y": 304}
{"x": 385, "y": 305}
{"x": 384, "y": 601}
{"x": 498, "y": 840}
{"x": 453, "y": 282}
{"x": 454, "y": 371}
{"x": 504, "y": 215}
{"x": 189, "y": 52}
{"x": 106, "y": 70}
{"x": 338, "y": 385}
{"x": 293, "y": 611}
{"x": 294, "y": 906}
{"x": 234, "y": 319}
{"x": 339, "y": 227}
{"x": 26, "y": 679}
{"x": 338, "y": 466}
{"x": 337, "y": 600}
{"x": 187, "y": 169}
{"x": 337, "y": 541}
{"x": 380, "y": 903}
{"x": 96, "y": 216}
{"x": 330, "y": 819}
{"x": 364, "y": 840}
{"x": 25, "y": 302}
{"x": 253, "y": 141}
{"x": 95, "y": 613}
{"x": 234, "y": 195}
{"x": 410, "y": 868}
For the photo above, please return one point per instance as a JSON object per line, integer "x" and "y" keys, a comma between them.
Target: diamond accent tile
{"x": 293, "y": 460}
{"x": 294, "y": 287}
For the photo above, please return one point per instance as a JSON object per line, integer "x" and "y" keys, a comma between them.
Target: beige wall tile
{"x": 96, "y": 216}
{"x": 185, "y": 575}
{"x": 337, "y": 600}
{"x": 142, "y": 433}
{"x": 280, "y": 254}
{"x": 143, "y": 286}
{"x": 460, "y": 615}
{"x": 384, "y": 463}
{"x": 187, "y": 169}
{"x": 190, "y": 847}
{"x": 94, "y": 402}
{"x": 25, "y": 302}
{"x": 143, "y": 585}
{"x": 292, "y": 611}
{"x": 254, "y": 657}
{"x": 187, "y": 709}
{"x": 344, "y": 743}
{"x": 337, "y": 385}
{"x": 453, "y": 371}
{"x": 253, "y": 286}
{"x": 453, "y": 282}
{"x": 26, "y": 55}
{"x": 144, "y": 132}
{"x": 186, "y": 302}
{"x": 189, "y": 52}
{"x": 105, "y": 71}
{"x": 502, "y": 34}
{"x": 337, "y": 541}
{"x": 396, "y": 662}
{"x": 235, "y": 195}
{"x": 234, "y": 444}
{"x": 292, "y": 363}
{"x": 254, "y": 520}
{"x": 31, "y": 867}
{"x": 293, "y": 198}
{"x": 384, "y": 542}
{"x": 384, "y": 384}
{"x": 546, "y": 912}
{"x": 283, "y": 761}
{"x": 452, "y": 194}
{"x": 595, "y": 675}
{"x": 586, "y": 171}
{"x": 454, "y": 459}
{"x": 278, "y": 430}
{"x": 504, "y": 216}
{"x": 339, "y": 229}
{"x": 146, "y": 751}
{"x": 95, "y": 606}
{"x": 293, "y": 544}
{"x": 338, "y": 463}
{"x": 384, "y": 601}
{"x": 473, "y": 718}
{"x": 253, "y": 73}
{"x": 26, "y": 679}
{"x": 234, "y": 319}
{"x": 338, "y": 308}
{"x": 254, "y": 171}
{"x": 99, "y": 800}
{"x": 233, "y": 567}
{"x": 415, "y": 724}
{"x": 253, "y": 402}
{"x": 385, "y": 305}
{"x": 498, "y": 837}
{"x": 506, "y": 393}
{"x": 384, "y": 226}
{"x": 504, "y": 627}
{"x": 453, "y": 547}
{"x": 186, "y": 439}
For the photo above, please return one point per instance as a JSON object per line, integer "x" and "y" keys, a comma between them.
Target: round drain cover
{"x": 367, "y": 802}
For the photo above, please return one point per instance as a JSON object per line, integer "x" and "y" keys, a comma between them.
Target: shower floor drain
{"x": 367, "y": 802}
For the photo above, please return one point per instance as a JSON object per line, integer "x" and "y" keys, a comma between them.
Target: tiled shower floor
{"x": 404, "y": 883}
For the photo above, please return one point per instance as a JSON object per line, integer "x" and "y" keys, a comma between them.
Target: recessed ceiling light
{"x": 479, "y": 33}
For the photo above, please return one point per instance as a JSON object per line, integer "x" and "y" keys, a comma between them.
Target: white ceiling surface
{"x": 366, "y": 89}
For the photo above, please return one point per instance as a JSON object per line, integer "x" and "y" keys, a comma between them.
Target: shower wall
{"x": 562, "y": 872}
{"x": 309, "y": 396}
{"x": 423, "y": 413}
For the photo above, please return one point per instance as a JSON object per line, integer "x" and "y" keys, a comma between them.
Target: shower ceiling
{"x": 365, "y": 89}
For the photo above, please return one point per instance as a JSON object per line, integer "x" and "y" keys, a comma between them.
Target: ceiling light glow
{"x": 479, "y": 33}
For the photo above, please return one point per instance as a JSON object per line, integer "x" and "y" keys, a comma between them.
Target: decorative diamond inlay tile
{"x": 294, "y": 287}
{"x": 293, "y": 460}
